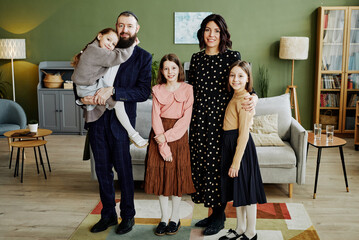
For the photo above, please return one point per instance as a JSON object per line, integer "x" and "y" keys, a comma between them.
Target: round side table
{"x": 25, "y": 134}
{"x": 27, "y": 144}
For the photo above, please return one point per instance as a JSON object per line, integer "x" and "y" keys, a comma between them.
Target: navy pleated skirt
{"x": 247, "y": 188}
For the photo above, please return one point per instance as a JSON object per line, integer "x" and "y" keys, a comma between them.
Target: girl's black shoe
{"x": 246, "y": 238}
{"x": 161, "y": 229}
{"x": 230, "y": 233}
{"x": 173, "y": 228}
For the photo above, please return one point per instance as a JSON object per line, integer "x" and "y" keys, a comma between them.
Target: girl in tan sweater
{"x": 241, "y": 178}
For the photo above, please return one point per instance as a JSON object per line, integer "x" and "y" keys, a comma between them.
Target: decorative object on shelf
{"x": 263, "y": 81}
{"x": 33, "y": 125}
{"x": 12, "y": 49}
{"x": 68, "y": 84}
{"x": 187, "y": 25}
{"x": 294, "y": 48}
{"x": 328, "y": 118}
{"x": 53, "y": 80}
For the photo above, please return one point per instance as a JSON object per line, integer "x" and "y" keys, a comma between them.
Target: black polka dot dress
{"x": 208, "y": 75}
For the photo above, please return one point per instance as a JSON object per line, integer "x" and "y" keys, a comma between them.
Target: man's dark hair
{"x": 127, "y": 14}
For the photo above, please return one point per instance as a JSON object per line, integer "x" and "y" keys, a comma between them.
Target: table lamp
{"x": 294, "y": 48}
{"x": 12, "y": 49}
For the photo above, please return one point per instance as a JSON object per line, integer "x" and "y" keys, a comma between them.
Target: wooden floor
{"x": 53, "y": 208}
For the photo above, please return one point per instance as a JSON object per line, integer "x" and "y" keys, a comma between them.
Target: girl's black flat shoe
{"x": 161, "y": 229}
{"x": 229, "y": 233}
{"x": 173, "y": 228}
{"x": 244, "y": 237}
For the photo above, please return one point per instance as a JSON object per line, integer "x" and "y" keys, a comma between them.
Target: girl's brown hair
{"x": 173, "y": 58}
{"x": 225, "y": 40}
{"x": 246, "y": 67}
{"x": 76, "y": 58}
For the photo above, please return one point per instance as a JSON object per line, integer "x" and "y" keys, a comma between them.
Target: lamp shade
{"x": 12, "y": 49}
{"x": 295, "y": 48}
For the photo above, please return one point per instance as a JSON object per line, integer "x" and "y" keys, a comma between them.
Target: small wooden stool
{"x": 28, "y": 144}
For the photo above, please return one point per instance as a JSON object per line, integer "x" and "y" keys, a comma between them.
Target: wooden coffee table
{"x": 322, "y": 143}
{"x": 22, "y": 134}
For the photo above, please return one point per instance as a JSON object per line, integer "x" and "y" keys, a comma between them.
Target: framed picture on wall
{"x": 187, "y": 25}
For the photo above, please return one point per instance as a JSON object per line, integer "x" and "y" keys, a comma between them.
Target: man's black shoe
{"x": 103, "y": 224}
{"x": 125, "y": 226}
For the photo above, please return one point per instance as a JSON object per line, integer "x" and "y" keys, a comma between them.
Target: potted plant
{"x": 154, "y": 71}
{"x": 33, "y": 125}
{"x": 263, "y": 81}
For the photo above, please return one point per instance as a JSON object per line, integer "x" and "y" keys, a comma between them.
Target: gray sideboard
{"x": 57, "y": 108}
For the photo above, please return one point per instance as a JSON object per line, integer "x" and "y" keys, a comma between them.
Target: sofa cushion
{"x": 265, "y": 130}
{"x": 281, "y": 106}
{"x": 5, "y": 127}
{"x": 276, "y": 157}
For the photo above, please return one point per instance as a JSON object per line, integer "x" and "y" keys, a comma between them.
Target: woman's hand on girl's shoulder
{"x": 250, "y": 103}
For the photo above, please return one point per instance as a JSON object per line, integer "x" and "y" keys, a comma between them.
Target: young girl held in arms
{"x": 241, "y": 178}
{"x": 95, "y": 68}
{"x": 168, "y": 167}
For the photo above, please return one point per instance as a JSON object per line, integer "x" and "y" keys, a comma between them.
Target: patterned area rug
{"x": 275, "y": 221}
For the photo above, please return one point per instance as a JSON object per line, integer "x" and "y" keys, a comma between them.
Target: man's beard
{"x": 125, "y": 43}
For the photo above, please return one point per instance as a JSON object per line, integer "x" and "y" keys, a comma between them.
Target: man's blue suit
{"x": 109, "y": 140}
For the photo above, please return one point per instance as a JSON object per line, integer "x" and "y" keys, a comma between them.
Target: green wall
{"x": 55, "y": 30}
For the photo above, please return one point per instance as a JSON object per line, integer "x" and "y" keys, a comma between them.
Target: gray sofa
{"x": 285, "y": 164}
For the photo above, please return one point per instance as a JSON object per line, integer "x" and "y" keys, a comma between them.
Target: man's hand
{"x": 232, "y": 172}
{"x": 251, "y": 102}
{"x": 160, "y": 138}
{"x": 102, "y": 95}
{"x": 88, "y": 100}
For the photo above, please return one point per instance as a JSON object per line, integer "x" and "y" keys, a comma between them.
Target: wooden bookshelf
{"x": 356, "y": 133}
{"x": 337, "y": 68}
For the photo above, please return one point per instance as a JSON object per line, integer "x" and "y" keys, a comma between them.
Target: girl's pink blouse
{"x": 173, "y": 105}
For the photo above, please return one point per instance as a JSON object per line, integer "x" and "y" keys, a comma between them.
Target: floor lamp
{"x": 294, "y": 48}
{"x": 12, "y": 49}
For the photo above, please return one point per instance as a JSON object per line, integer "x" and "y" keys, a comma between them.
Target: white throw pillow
{"x": 265, "y": 130}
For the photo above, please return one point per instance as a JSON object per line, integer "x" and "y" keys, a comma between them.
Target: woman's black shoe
{"x": 229, "y": 233}
{"x": 173, "y": 228}
{"x": 161, "y": 229}
{"x": 244, "y": 237}
{"x": 204, "y": 222}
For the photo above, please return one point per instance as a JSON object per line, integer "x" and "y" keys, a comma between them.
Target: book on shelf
{"x": 353, "y": 100}
{"x": 331, "y": 82}
{"x": 329, "y": 99}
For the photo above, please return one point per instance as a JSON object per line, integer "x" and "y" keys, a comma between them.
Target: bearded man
{"x": 108, "y": 139}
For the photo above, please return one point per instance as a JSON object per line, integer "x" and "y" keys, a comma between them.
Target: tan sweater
{"x": 237, "y": 118}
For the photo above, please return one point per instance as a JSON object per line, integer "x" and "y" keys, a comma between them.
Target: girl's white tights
{"x": 246, "y": 220}
{"x": 164, "y": 208}
{"x": 125, "y": 122}
{"x": 176, "y": 201}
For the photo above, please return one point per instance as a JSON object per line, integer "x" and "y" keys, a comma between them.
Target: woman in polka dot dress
{"x": 208, "y": 72}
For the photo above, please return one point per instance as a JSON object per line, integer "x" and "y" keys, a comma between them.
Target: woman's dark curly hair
{"x": 225, "y": 41}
